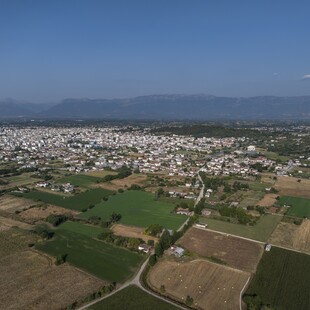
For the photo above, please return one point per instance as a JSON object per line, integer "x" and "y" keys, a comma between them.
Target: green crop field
{"x": 87, "y": 230}
{"x": 80, "y": 180}
{"x": 300, "y": 207}
{"x": 282, "y": 280}
{"x": 261, "y": 231}
{"x": 103, "y": 260}
{"x": 138, "y": 209}
{"x": 77, "y": 202}
{"x": 132, "y": 298}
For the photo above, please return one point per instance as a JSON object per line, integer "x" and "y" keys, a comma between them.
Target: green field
{"x": 80, "y": 180}
{"x": 132, "y": 298}
{"x": 138, "y": 209}
{"x": 77, "y": 202}
{"x": 300, "y": 207}
{"x": 261, "y": 231}
{"x": 282, "y": 280}
{"x": 252, "y": 199}
{"x": 87, "y": 230}
{"x": 103, "y": 260}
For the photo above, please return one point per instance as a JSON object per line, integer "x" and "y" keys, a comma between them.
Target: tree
{"x": 189, "y": 300}
{"x": 152, "y": 260}
{"x": 153, "y": 230}
{"x": 60, "y": 259}
{"x": 115, "y": 217}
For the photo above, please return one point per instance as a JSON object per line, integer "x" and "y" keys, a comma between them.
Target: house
{"x": 268, "y": 247}
{"x": 144, "y": 248}
{"x": 177, "y": 251}
{"x": 201, "y": 225}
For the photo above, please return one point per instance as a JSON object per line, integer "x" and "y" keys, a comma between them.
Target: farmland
{"x": 37, "y": 283}
{"x": 299, "y": 207}
{"x": 138, "y": 209}
{"x": 78, "y": 202}
{"x": 261, "y": 231}
{"x": 289, "y": 186}
{"x": 134, "y": 298}
{"x": 234, "y": 252}
{"x": 281, "y": 280}
{"x": 10, "y": 204}
{"x": 131, "y": 231}
{"x": 292, "y": 236}
{"x": 268, "y": 200}
{"x": 211, "y": 286}
{"x": 96, "y": 257}
{"x": 80, "y": 180}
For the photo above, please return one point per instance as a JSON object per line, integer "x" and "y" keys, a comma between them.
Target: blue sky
{"x": 50, "y": 50}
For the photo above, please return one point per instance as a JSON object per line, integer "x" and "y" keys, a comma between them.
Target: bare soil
{"x": 36, "y": 214}
{"x": 11, "y": 204}
{"x": 292, "y": 236}
{"x": 233, "y": 251}
{"x": 211, "y": 286}
{"x": 8, "y": 223}
{"x": 268, "y": 200}
{"x": 131, "y": 231}
{"x": 289, "y": 186}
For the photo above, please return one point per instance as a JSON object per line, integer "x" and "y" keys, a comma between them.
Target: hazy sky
{"x": 50, "y": 50}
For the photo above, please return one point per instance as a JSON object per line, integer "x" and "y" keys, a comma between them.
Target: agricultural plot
{"x": 261, "y": 231}
{"x": 134, "y": 298}
{"x": 6, "y": 223}
{"x": 80, "y": 180}
{"x": 299, "y": 207}
{"x": 21, "y": 180}
{"x": 235, "y": 252}
{"x": 281, "y": 280}
{"x": 289, "y": 186}
{"x": 78, "y": 202}
{"x": 116, "y": 184}
{"x": 252, "y": 199}
{"x": 138, "y": 208}
{"x": 132, "y": 232}
{"x": 292, "y": 236}
{"x": 210, "y": 285}
{"x": 37, "y": 283}
{"x": 268, "y": 200}
{"x": 40, "y": 213}
{"x": 103, "y": 260}
{"x": 10, "y": 204}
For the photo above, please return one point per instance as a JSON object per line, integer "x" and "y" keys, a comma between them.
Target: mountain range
{"x": 165, "y": 107}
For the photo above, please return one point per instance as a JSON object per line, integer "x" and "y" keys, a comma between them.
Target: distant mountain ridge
{"x": 166, "y": 107}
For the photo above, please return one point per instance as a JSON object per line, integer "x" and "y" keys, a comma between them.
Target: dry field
{"x": 131, "y": 231}
{"x": 211, "y": 286}
{"x": 116, "y": 184}
{"x": 11, "y": 204}
{"x": 7, "y": 223}
{"x": 32, "y": 281}
{"x": 268, "y": 200}
{"x": 292, "y": 236}
{"x": 235, "y": 252}
{"x": 36, "y": 214}
{"x": 288, "y": 186}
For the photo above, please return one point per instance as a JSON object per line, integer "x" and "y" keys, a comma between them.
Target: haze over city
{"x": 51, "y": 50}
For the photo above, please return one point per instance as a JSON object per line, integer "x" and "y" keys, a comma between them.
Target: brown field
{"x": 11, "y": 204}
{"x": 211, "y": 286}
{"x": 6, "y": 223}
{"x": 268, "y": 200}
{"x": 288, "y": 186}
{"x": 292, "y": 236}
{"x": 138, "y": 179}
{"x": 100, "y": 173}
{"x": 235, "y": 252}
{"x": 32, "y": 281}
{"x": 131, "y": 231}
{"x": 33, "y": 215}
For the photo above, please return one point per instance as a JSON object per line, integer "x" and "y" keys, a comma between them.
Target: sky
{"x": 51, "y": 50}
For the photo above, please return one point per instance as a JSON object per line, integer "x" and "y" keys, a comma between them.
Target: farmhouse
{"x": 144, "y": 248}
{"x": 177, "y": 251}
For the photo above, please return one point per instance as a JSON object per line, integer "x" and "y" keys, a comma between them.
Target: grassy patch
{"x": 98, "y": 258}
{"x": 300, "y": 207}
{"x": 282, "y": 280}
{"x": 77, "y": 202}
{"x": 138, "y": 209}
{"x": 80, "y": 180}
{"x": 87, "y": 230}
{"x": 132, "y": 298}
{"x": 261, "y": 231}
